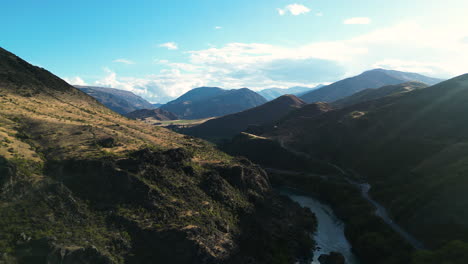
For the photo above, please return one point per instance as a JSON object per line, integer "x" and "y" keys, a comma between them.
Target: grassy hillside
{"x": 80, "y": 183}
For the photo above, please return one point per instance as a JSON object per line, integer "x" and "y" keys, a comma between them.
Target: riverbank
{"x": 330, "y": 235}
{"x": 372, "y": 240}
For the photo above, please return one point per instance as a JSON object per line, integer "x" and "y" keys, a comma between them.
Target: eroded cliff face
{"x": 154, "y": 206}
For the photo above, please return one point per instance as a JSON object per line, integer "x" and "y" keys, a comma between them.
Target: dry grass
{"x": 64, "y": 125}
{"x": 181, "y": 123}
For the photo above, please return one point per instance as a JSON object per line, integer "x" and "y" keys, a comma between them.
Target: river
{"x": 381, "y": 212}
{"x": 330, "y": 235}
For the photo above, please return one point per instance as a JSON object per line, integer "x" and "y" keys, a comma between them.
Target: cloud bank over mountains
{"x": 407, "y": 46}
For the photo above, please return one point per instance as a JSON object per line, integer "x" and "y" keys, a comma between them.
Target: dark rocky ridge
{"x": 171, "y": 223}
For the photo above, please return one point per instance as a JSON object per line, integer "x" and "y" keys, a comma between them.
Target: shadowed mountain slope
{"x": 233, "y": 124}
{"x": 210, "y": 101}
{"x": 372, "y": 94}
{"x": 412, "y": 147}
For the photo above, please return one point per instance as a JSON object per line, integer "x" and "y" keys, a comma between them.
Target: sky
{"x": 160, "y": 49}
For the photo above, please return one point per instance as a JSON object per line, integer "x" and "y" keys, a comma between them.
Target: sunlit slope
{"x": 62, "y": 118}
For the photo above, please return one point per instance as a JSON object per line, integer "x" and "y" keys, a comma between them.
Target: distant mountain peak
{"x": 369, "y": 79}
{"x": 206, "y": 102}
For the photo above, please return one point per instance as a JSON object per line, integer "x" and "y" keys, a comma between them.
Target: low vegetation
{"x": 79, "y": 182}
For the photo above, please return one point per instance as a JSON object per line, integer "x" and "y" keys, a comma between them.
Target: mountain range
{"x": 207, "y": 102}
{"x": 369, "y": 79}
{"x": 120, "y": 101}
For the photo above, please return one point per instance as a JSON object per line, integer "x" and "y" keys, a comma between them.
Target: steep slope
{"x": 372, "y": 94}
{"x": 411, "y": 147}
{"x": 120, "y": 101}
{"x": 273, "y": 93}
{"x": 81, "y": 184}
{"x": 369, "y": 79}
{"x": 156, "y": 114}
{"x": 295, "y": 119}
{"x": 233, "y": 124}
{"x": 210, "y": 102}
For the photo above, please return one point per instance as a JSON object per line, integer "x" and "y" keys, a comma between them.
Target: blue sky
{"x": 162, "y": 48}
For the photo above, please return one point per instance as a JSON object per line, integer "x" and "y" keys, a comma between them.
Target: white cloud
{"x": 75, "y": 81}
{"x": 179, "y": 66}
{"x": 218, "y": 27}
{"x": 408, "y": 46}
{"x": 169, "y": 45}
{"x": 357, "y": 21}
{"x": 293, "y": 9}
{"x": 464, "y": 40}
{"x": 319, "y": 14}
{"x": 158, "y": 88}
{"x": 429, "y": 68}
{"x": 124, "y": 61}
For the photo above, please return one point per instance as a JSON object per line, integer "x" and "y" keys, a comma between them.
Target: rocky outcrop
{"x": 332, "y": 258}
{"x": 157, "y": 205}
